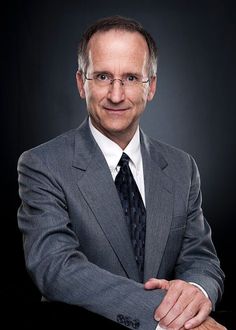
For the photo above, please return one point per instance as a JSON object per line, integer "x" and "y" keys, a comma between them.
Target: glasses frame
{"x": 121, "y": 80}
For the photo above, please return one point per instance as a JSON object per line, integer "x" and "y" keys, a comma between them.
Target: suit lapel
{"x": 96, "y": 185}
{"x": 159, "y": 205}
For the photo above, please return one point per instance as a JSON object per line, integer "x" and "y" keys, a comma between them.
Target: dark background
{"x": 194, "y": 108}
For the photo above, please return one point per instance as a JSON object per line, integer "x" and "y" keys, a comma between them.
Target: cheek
{"x": 92, "y": 96}
{"x": 140, "y": 98}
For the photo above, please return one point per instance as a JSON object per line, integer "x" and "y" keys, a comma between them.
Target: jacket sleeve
{"x": 198, "y": 261}
{"x": 58, "y": 267}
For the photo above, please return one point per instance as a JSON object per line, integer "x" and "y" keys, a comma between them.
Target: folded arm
{"x": 186, "y": 304}
{"x": 56, "y": 263}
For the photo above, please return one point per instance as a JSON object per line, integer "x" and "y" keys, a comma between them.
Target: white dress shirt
{"x": 113, "y": 152}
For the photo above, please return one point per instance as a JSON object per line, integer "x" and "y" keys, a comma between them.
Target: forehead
{"x": 118, "y": 48}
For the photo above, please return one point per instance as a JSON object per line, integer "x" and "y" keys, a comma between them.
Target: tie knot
{"x": 124, "y": 160}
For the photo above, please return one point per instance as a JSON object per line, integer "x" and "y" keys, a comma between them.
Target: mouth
{"x": 117, "y": 110}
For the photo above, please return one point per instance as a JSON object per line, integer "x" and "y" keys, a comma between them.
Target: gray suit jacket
{"x": 76, "y": 242}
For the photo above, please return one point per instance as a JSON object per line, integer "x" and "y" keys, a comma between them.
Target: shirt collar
{"x": 113, "y": 152}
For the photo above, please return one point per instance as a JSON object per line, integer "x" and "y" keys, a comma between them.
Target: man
{"x": 89, "y": 242}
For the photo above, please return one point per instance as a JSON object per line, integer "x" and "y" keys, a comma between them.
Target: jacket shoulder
{"x": 176, "y": 162}
{"x": 60, "y": 147}
{"x": 169, "y": 152}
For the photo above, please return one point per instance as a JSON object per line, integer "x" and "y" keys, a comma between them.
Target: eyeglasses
{"x": 105, "y": 79}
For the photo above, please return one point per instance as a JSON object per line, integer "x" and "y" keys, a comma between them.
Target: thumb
{"x": 154, "y": 283}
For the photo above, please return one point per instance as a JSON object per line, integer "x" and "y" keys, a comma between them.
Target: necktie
{"x": 134, "y": 209}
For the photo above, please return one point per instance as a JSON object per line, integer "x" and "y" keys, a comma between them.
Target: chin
{"x": 116, "y": 130}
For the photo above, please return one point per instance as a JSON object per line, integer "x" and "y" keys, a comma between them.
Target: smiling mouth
{"x": 116, "y": 109}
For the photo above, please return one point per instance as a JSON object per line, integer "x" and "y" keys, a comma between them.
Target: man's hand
{"x": 184, "y": 306}
{"x": 210, "y": 324}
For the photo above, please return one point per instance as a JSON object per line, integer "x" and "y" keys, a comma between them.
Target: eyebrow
{"x": 102, "y": 71}
{"x": 124, "y": 74}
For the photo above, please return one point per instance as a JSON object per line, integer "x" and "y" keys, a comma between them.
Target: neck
{"x": 122, "y": 138}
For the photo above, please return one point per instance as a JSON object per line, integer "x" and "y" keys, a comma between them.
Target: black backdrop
{"x": 193, "y": 109}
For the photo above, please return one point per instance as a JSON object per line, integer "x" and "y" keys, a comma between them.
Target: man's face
{"x": 115, "y": 109}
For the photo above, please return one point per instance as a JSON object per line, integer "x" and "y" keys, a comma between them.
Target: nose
{"x": 116, "y": 92}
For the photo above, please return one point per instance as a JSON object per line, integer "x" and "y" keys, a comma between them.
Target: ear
{"x": 152, "y": 88}
{"x": 80, "y": 84}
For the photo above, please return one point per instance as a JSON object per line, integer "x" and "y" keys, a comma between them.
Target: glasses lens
{"x": 103, "y": 79}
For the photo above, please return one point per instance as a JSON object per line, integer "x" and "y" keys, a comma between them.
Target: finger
{"x": 191, "y": 312}
{"x": 172, "y": 322}
{"x": 185, "y": 307}
{"x": 167, "y": 304}
{"x": 177, "y": 316}
{"x": 150, "y": 282}
{"x": 154, "y": 283}
{"x": 204, "y": 311}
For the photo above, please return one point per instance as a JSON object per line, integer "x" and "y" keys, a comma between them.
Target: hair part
{"x": 116, "y": 23}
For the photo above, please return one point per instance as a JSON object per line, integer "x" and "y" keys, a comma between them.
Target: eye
{"x": 131, "y": 78}
{"x": 102, "y": 76}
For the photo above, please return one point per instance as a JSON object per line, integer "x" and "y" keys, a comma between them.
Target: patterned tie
{"x": 134, "y": 209}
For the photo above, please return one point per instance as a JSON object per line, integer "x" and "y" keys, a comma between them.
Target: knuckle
{"x": 168, "y": 302}
{"x": 195, "y": 291}
{"x": 177, "y": 309}
{"x": 179, "y": 283}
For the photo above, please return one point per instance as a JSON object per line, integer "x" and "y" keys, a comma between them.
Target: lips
{"x": 116, "y": 109}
